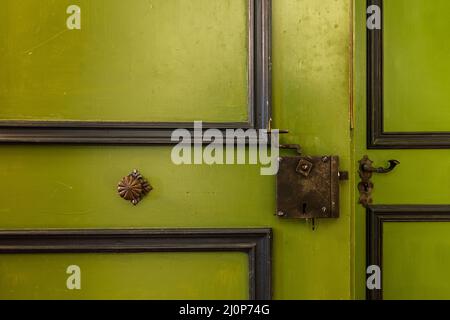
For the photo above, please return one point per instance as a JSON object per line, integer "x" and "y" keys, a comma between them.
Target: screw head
{"x": 281, "y": 214}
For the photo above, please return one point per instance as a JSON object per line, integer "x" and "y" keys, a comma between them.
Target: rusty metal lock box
{"x": 308, "y": 187}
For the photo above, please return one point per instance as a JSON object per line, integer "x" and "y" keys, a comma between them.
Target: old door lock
{"x": 308, "y": 187}
{"x": 366, "y": 170}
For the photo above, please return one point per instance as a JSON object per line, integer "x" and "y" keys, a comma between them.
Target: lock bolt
{"x": 281, "y": 214}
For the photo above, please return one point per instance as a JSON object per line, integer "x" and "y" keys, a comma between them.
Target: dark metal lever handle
{"x": 366, "y": 170}
{"x": 366, "y": 167}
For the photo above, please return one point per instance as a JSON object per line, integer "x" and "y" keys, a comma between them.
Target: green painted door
{"x": 403, "y": 113}
{"x": 65, "y": 63}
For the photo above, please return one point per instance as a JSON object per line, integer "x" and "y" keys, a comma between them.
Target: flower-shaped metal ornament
{"x": 134, "y": 187}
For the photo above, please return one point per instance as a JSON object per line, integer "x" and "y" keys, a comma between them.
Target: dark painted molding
{"x": 87, "y": 132}
{"x": 256, "y": 243}
{"x": 380, "y": 214}
{"x": 377, "y": 138}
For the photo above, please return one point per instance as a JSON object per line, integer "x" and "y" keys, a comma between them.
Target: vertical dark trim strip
{"x": 375, "y": 78}
{"x": 253, "y": 282}
{"x": 263, "y": 72}
{"x": 374, "y": 249}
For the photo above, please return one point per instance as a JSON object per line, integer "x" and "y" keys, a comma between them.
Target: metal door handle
{"x": 366, "y": 170}
{"x": 366, "y": 166}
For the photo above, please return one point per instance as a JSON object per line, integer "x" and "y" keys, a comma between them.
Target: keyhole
{"x": 304, "y": 207}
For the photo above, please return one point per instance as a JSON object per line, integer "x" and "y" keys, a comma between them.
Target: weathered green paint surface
{"x": 416, "y": 54}
{"x": 126, "y": 276}
{"x": 416, "y": 261}
{"x": 74, "y": 186}
{"x": 423, "y": 176}
{"x": 152, "y": 60}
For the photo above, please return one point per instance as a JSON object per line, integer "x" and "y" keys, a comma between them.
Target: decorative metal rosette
{"x": 134, "y": 187}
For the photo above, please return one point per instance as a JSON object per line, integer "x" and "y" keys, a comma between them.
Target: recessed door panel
{"x": 125, "y": 276}
{"x": 416, "y": 66}
{"x": 416, "y": 257}
{"x": 138, "y": 61}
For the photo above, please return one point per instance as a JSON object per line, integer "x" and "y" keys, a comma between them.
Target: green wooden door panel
{"x": 414, "y": 49}
{"x": 155, "y": 60}
{"x": 416, "y": 54}
{"x": 126, "y": 276}
{"x": 416, "y": 261}
{"x": 75, "y": 186}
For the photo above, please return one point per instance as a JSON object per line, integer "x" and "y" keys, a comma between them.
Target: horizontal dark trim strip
{"x": 425, "y": 140}
{"x": 95, "y": 136}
